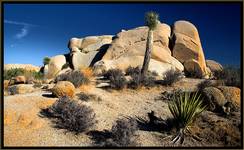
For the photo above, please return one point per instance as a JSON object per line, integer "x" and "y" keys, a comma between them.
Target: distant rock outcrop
{"x": 188, "y": 49}
{"x": 28, "y": 67}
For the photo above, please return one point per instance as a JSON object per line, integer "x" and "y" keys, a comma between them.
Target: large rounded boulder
{"x": 231, "y": 94}
{"x": 214, "y": 66}
{"x": 187, "y": 48}
{"x": 55, "y": 65}
{"x": 214, "y": 98}
{"x": 128, "y": 49}
{"x": 63, "y": 88}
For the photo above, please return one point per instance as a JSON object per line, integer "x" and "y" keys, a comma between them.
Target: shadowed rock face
{"x": 187, "y": 48}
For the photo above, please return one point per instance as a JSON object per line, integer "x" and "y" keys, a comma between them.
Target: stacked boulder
{"x": 179, "y": 49}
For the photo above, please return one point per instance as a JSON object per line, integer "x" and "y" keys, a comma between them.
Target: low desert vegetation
{"x": 87, "y": 97}
{"x": 231, "y": 76}
{"x": 75, "y": 77}
{"x": 122, "y": 134}
{"x": 71, "y": 115}
{"x": 171, "y": 77}
{"x": 185, "y": 109}
{"x": 116, "y": 77}
{"x": 8, "y": 74}
{"x": 138, "y": 81}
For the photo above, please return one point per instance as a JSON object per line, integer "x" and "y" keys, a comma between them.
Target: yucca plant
{"x": 151, "y": 21}
{"x": 185, "y": 108}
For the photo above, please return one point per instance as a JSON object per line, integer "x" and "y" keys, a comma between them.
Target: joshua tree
{"x": 151, "y": 21}
{"x": 46, "y": 60}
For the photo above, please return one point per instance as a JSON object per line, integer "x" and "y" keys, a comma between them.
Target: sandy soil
{"x": 23, "y": 125}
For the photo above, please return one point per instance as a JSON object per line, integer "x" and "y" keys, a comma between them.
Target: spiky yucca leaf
{"x": 186, "y": 108}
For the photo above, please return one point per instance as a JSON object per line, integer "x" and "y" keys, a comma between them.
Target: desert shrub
{"x": 202, "y": 85}
{"x": 123, "y": 133}
{"x": 72, "y": 116}
{"x": 137, "y": 80}
{"x": 8, "y": 74}
{"x": 230, "y": 75}
{"x": 117, "y": 78}
{"x": 75, "y": 77}
{"x": 171, "y": 76}
{"x": 86, "y": 97}
{"x": 46, "y": 60}
{"x": 185, "y": 109}
{"x": 132, "y": 70}
{"x": 170, "y": 95}
{"x": 66, "y": 65}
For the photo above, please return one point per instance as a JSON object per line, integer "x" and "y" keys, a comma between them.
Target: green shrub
{"x": 185, "y": 109}
{"x": 8, "y": 74}
{"x": 46, "y": 60}
{"x": 70, "y": 115}
{"x": 75, "y": 77}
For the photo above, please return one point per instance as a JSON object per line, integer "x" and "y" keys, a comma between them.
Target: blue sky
{"x": 33, "y": 31}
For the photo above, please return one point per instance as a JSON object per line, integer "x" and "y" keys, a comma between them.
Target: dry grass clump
{"x": 87, "y": 97}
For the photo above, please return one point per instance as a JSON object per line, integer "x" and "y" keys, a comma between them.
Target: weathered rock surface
{"x": 86, "y": 51}
{"x": 21, "y": 89}
{"x": 55, "y": 65}
{"x": 28, "y": 67}
{"x": 128, "y": 49}
{"x": 214, "y": 98}
{"x": 17, "y": 80}
{"x": 231, "y": 94}
{"x": 63, "y": 88}
{"x": 187, "y": 46}
{"x": 214, "y": 66}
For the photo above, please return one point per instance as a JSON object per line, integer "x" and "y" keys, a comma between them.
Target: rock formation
{"x": 179, "y": 49}
{"x": 86, "y": 50}
{"x": 128, "y": 49}
{"x": 55, "y": 65}
{"x": 188, "y": 49}
{"x": 28, "y": 67}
